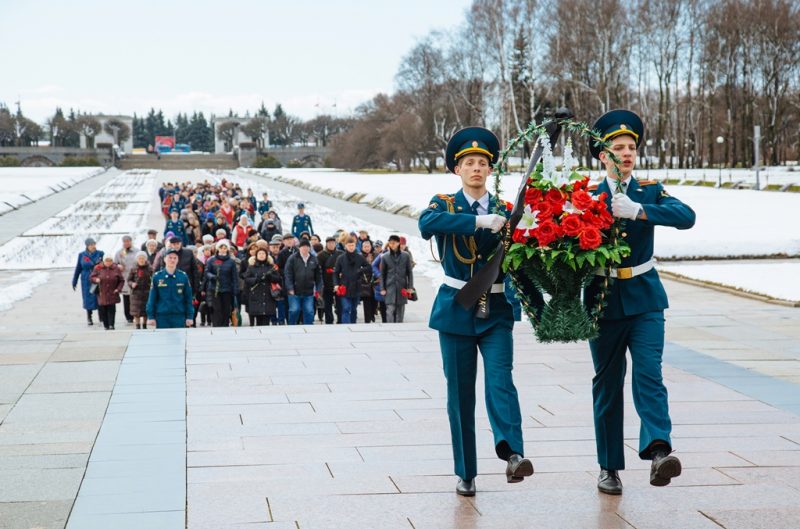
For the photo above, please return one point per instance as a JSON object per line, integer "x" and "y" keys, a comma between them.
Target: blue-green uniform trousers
{"x": 450, "y": 219}
{"x": 460, "y": 360}
{"x": 644, "y": 335}
{"x": 633, "y": 319}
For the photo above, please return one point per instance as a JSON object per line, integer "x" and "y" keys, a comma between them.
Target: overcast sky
{"x": 121, "y": 57}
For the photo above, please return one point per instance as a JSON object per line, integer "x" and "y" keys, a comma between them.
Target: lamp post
{"x": 648, "y": 143}
{"x": 720, "y": 141}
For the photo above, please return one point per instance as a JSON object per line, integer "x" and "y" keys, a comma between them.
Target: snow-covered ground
{"x": 119, "y": 207}
{"x": 776, "y": 279}
{"x": 20, "y": 186}
{"x": 20, "y": 286}
{"x": 326, "y": 221}
{"x": 730, "y": 222}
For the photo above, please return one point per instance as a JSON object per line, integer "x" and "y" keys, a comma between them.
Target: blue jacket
{"x": 451, "y": 221}
{"x": 83, "y": 269}
{"x": 170, "y": 295}
{"x": 221, "y": 276}
{"x": 643, "y": 293}
{"x": 301, "y": 223}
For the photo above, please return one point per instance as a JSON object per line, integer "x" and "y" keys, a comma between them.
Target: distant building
{"x": 238, "y": 136}
{"x": 104, "y": 137}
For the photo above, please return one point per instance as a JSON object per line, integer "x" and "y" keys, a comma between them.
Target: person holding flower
{"x": 633, "y": 318}
{"x": 466, "y": 232}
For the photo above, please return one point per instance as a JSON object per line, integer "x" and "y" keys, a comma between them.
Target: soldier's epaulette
{"x": 647, "y": 182}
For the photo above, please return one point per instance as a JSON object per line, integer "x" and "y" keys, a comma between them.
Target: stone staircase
{"x": 180, "y": 161}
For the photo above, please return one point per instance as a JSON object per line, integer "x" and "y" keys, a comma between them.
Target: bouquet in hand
{"x": 563, "y": 237}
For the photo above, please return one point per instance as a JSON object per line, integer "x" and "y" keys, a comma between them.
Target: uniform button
{"x": 624, "y": 234}
{"x": 479, "y": 257}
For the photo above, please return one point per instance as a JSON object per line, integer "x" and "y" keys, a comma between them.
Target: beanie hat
{"x": 89, "y": 241}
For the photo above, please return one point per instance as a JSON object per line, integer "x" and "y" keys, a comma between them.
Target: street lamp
{"x": 648, "y": 143}
{"x": 720, "y": 141}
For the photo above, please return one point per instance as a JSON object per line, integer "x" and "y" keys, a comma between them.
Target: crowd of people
{"x": 238, "y": 259}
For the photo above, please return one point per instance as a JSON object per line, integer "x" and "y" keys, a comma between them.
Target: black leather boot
{"x": 609, "y": 483}
{"x": 663, "y": 468}
{"x": 518, "y": 468}
{"x": 89, "y": 317}
{"x": 465, "y": 487}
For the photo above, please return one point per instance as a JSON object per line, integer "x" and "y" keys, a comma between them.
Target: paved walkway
{"x": 345, "y": 426}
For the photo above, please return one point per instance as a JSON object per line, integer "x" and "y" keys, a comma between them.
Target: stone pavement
{"x": 345, "y": 426}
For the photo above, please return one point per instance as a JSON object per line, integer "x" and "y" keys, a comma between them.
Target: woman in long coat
{"x": 261, "y": 273}
{"x": 87, "y": 260}
{"x": 109, "y": 281}
{"x": 139, "y": 279}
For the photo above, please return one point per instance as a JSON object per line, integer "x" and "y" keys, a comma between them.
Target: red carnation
{"x": 519, "y": 236}
{"x": 582, "y": 200}
{"x": 547, "y": 232}
{"x": 590, "y": 239}
{"x": 533, "y": 196}
{"x": 571, "y": 225}
{"x": 509, "y": 206}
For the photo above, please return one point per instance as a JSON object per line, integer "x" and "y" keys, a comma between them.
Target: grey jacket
{"x": 396, "y": 275}
{"x": 127, "y": 260}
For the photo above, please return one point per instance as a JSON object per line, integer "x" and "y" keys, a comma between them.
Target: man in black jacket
{"x": 347, "y": 277}
{"x": 303, "y": 278}
{"x": 327, "y": 261}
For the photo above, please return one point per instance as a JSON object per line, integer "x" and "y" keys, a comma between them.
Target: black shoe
{"x": 609, "y": 482}
{"x": 518, "y": 468}
{"x": 465, "y": 487}
{"x": 91, "y": 322}
{"x": 664, "y": 468}
{"x": 138, "y": 326}
{"x": 112, "y": 327}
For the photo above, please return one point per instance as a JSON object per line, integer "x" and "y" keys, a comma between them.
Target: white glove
{"x": 490, "y": 222}
{"x": 624, "y": 208}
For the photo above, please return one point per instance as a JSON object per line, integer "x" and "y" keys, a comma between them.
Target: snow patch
{"x": 19, "y": 287}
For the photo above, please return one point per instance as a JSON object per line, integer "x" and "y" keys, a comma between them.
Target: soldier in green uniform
{"x": 169, "y": 305}
{"x": 633, "y": 319}
{"x": 466, "y": 231}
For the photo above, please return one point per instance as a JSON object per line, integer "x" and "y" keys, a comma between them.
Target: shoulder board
{"x": 446, "y": 197}
{"x": 592, "y": 187}
{"x": 647, "y": 182}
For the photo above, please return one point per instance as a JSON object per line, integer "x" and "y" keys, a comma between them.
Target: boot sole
{"x": 524, "y": 470}
{"x": 611, "y": 492}
{"x": 668, "y": 468}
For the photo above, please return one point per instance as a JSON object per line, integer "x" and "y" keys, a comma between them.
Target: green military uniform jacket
{"x": 463, "y": 251}
{"x": 642, "y": 293}
{"x": 170, "y": 296}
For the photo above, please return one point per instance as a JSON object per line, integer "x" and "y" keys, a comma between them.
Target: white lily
{"x": 528, "y": 221}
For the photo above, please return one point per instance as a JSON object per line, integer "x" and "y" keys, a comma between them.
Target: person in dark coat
{"x": 87, "y": 260}
{"x": 367, "y": 285}
{"x": 303, "y": 278}
{"x": 139, "y": 278}
{"x": 347, "y": 273}
{"x": 327, "y": 261}
{"x": 108, "y": 278}
{"x": 249, "y": 252}
{"x": 396, "y": 278}
{"x": 222, "y": 285}
{"x": 258, "y": 279}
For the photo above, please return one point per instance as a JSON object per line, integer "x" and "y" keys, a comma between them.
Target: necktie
{"x": 475, "y": 207}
